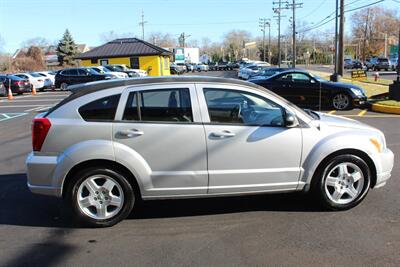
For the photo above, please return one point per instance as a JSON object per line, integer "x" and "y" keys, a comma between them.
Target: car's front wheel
{"x": 63, "y": 86}
{"x": 100, "y": 197}
{"x": 343, "y": 182}
{"x": 341, "y": 101}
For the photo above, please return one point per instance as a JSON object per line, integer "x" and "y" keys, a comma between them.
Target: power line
{"x": 294, "y": 6}
{"x": 277, "y": 10}
{"x": 319, "y": 24}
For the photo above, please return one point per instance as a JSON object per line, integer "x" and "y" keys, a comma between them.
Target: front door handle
{"x": 222, "y": 134}
{"x": 130, "y": 133}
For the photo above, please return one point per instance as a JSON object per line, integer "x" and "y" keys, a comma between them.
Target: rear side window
{"x": 102, "y": 109}
{"x": 166, "y": 105}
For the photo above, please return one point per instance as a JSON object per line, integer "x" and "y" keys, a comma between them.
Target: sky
{"x": 87, "y": 20}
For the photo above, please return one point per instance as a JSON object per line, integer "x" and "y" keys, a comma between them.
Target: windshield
{"x": 34, "y": 74}
{"x": 317, "y": 78}
{"x": 92, "y": 71}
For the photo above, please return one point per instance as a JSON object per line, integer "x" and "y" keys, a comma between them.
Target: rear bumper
{"x": 384, "y": 164}
{"x": 41, "y": 175}
{"x": 360, "y": 101}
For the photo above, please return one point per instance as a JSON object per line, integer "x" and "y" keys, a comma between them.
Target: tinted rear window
{"x": 102, "y": 109}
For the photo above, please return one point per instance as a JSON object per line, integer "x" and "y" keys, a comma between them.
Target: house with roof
{"x": 132, "y": 52}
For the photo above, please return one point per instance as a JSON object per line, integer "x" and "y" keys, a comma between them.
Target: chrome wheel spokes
{"x": 100, "y": 197}
{"x": 341, "y": 101}
{"x": 344, "y": 183}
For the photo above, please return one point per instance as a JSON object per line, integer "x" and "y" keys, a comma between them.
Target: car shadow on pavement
{"x": 18, "y": 206}
{"x": 290, "y": 202}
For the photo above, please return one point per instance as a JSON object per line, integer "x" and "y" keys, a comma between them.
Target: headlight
{"x": 357, "y": 92}
{"x": 379, "y": 142}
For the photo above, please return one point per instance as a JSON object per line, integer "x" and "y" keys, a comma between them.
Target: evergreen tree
{"x": 66, "y": 49}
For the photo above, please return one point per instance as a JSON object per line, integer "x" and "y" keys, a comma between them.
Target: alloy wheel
{"x": 100, "y": 197}
{"x": 344, "y": 183}
{"x": 341, "y": 101}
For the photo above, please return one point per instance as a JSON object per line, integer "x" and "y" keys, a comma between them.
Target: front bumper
{"x": 384, "y": 164}
{"x": 42, "y": 172}
{"x": 360, "y": 101}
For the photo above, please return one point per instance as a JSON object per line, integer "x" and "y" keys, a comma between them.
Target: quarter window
{"x": 166, "y": 105}
{"x": 102, "y": 109}
{"x": 239, "y": 107}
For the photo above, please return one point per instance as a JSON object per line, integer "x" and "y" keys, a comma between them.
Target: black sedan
{"x": 18, "y": 85}
{"x": 304, "y": 89}
{"x": 78, "y": 75}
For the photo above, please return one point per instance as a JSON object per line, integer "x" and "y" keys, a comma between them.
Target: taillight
{"x": 17, "y": 83}
{"x": 40, "y": 128}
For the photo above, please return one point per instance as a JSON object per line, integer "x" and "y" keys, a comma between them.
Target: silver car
{"x": 112, "y": 143}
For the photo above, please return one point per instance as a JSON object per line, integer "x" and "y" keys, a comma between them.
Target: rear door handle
{"x": 222, "y": 134}
{"x": 130, "y": 133}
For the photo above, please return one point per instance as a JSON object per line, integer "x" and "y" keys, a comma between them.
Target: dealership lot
{"x": 256, "y": 230}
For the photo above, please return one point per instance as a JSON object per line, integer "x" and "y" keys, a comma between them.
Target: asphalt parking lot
{"x": 261, "y": 230}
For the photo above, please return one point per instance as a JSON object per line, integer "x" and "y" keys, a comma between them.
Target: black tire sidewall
{"x": 129, "y": 197}
{"x": 327, "y": 167}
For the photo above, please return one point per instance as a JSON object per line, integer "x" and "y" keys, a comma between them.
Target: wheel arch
{"x": 104, "y": 163}
{"x": 361, "y": 154}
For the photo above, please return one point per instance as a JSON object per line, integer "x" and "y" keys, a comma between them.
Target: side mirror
{"x": 290, "y": 120}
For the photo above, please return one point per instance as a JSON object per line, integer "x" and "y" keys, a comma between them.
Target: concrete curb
{"x": 385, "y": 109}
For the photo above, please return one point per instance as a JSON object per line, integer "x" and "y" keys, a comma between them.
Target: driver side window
{"x": 239, "y": 107}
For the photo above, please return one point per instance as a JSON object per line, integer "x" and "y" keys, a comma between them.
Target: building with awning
{"x": 132, "y": 52}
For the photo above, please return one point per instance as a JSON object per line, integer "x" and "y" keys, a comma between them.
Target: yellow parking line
{"x": 332, "y": 111}
{"x": 362, "y": 112}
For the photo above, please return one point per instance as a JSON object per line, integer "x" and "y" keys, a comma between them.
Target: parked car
{"x": 228, "y": 137}
{"x": 71, "y": 76}
{"x": 212, "y": 66}
{"x": 304, "y": 89}
{"x": 233, "y": 65}
{"x": 357, "y": 64}
{"x": 267, "y": 72}
{"x": 18, "y": 85}
{"x": 3, "y": 89}
{"x": 202, "y": 67}
{"x": 34, "y": 79}
{"x": 183, "y": 66}
{"x": 49, "y": 76}
{"x": 222, "y": 65}
{"x": 104, "y": 70}
{"x": 176, "y": 69}
{"x": 348, "y": 63}
{"x": 122, "y": 68}
{"x": 378, "y": 63}
{"x": 189, "y": 67}
{"x": 48, "y": 80}
{"x": 251, "y": 70}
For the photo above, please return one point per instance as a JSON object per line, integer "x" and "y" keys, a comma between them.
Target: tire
{"x": 340, "y": 192}
{"x": 342, "y": 101}
{"x": 94, "y": 212}
{"x": 63, "y": 86}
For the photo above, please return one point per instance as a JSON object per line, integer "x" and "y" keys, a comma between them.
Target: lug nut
{"x": 95, "y": 198}
{"x": 97, "y": 192}
{"x": 101, "y": 202}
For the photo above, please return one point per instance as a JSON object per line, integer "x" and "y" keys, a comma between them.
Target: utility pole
{"x": 278, "y": 11}
{"x": 182, "y": 39}
{"x": 293, "y": 6}
{"x": 334, "y": 77}
{"x": 386, "y": 41}
{"x": 341, "y": 40}
{"x": 263, "y": 23}
{"x": 142, "y": 25}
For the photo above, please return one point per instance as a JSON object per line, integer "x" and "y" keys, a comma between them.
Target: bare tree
{"x": 162, "y": 39}
{"x": 112, "y": 35}
{"x": 233, "y": 43}
{"x": 37, "y": 41}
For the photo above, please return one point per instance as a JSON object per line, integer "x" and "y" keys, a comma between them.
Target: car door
{"x": 305, "y": 90}
{"x": 162, "y": 124}
{"x": 282, "y": 85}
{"x": 248, "y": 147}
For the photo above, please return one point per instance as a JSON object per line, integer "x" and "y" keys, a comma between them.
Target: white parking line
{"x": 37, "y": 100}
{"x": 21, "y": 106}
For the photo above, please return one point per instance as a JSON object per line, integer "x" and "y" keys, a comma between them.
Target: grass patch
{"x": 371, "y": 88}
{"x": 392, "y": 103}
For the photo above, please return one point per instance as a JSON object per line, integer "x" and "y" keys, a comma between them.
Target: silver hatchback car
{"x": 112, "y": 143}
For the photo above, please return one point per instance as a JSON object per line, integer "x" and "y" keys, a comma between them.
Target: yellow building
{"x": 132, "y": 52}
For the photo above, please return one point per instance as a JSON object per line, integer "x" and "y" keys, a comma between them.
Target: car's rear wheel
{"x": 343, "y": 182}
{"x": 341, "y": 101}
{"x": 63, "y": 86}
{"x": 100, "y": 197}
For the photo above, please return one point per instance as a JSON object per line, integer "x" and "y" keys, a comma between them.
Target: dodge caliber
{"x": 113, "y": 143}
